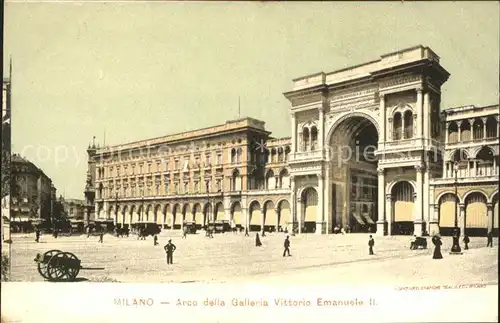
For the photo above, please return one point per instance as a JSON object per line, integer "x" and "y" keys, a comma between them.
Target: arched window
{"x": 238, "y": 155}
{"x": 465, "y": 131}
{"x": 408, "y": 118}
{"x": 452, "y": 132}
{"x": 287, "y": 152}
{"x": 491, "y": 127}
{"x": 233, "y": 156}
{"x": 397, "y": 126}
{"x": 281, "y": 157}
{"x": 236, "y": 181}
{"x": 305, "y": 139}
{"x": 284, "y": 179}
{"x": 270, "y": 180}
{"x": 478, "y": 129}
{"x": 314, "y": 138}
{"x": 485, "y": 162}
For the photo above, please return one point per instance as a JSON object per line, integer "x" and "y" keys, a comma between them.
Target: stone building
{"x": 74, "y": 211}
{"x": 370, "y": 149}
{"x": 234, "y": 171}
{"x": 32, "y": 195}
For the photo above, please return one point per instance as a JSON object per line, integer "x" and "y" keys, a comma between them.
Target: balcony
{"x": 306, "y": 156}
{"x": 409, "y": 144}
{"x": 473, "y": 142}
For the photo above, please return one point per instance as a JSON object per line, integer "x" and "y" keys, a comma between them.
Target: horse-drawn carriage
{"x": 419, "y": 242}
{"x": 190, "y": 227}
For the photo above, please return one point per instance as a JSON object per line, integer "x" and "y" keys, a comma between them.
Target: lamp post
{"x": 455, "y": 248}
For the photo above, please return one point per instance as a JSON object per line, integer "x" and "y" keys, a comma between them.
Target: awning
{"x": 368, "y": 219}
{"x": 358, "y": 218}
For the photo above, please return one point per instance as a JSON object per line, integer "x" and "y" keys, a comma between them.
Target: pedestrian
{"x": 184, "y": 232}
{"x": 466, "y": 242}
{"x": 490, "y": 240}
{"x": 371, "y": 243}
{"x": 169, "y": 249}
{"x": 37, "y": 235}
{"x": 155, "y": 240}
{"x": 287, "y": 246}
{"x": 246, "y": 232}
{"x": 264, "y": 233}
{"x": 101, "y": 236}
{"x": 257, "y": 240}
{"x": 436, "y": 240}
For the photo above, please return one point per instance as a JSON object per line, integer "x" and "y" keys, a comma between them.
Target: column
{"x": 495, "y": 172}
{"x": 425, "y": 200}
{"x": 227, "y": 207}
{"x": 382, "y": 118}
{"x": 293, "y": 201}
{"x": 381, "y": 202}
{"x": 299, "y": 213}
{"x": 461, "y": 219}
{"x": 389, "y": 133}
{"x": 389, "y": 215}
{"x": 244, "y": 213}
{"x": 321, "y": 134}
{"x": 278, "y": 215}
{"x": 263, "y": 218}
{"x": 105, "y": 208}
{"x": 491, "y": 219}
{"x": 459, "y": 123}
{"x": 294, "y": 133}
{"x": 434, "y": 223}
{"x": 327, "y": 202}
{"x": 320, "y": 215}
{"x": 426, "y": 115}
{"x": 403, "y": 125}
{"x": 484, "y": 127}
{"x": 447, "y": 134}
{"x": 418, "y": 222}
{"x": 420, "y": 114}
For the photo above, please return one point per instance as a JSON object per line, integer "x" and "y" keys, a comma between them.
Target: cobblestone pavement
{"x": 322, "y": 259}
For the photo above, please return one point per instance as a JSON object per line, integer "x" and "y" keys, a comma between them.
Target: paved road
{"x": 234, "y": 258}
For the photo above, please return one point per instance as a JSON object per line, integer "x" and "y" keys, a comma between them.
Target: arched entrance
{"x": 177, "y": 216}
{"x": 352, "y": 173}
{"x": 309, "y": 200}
{"x": 236, "y": 215}
{"x": 270, "y": 216}
{"x": 448, "y": 206}
{"x": 403, "y": 197}
{"x": 167, "y": 217}
{"x": 207, "y": 214}
{"x": 198, "y": 215}
{"x": 186, "y": 213}
{"x": 219, "y": 211}
{"x": 255, "y": 216}
{"x": 476, "y": 214}
{"x": 284, "y": 214}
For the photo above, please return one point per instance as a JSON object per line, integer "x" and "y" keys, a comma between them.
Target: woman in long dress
{"x": 257, "y": 241}
{"x": 436, "y": 240}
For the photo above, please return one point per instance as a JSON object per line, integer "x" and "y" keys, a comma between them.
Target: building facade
{"x": 6, "y": 148}
{"x": 370, "y": 149}
{"x": 32, "y": 195}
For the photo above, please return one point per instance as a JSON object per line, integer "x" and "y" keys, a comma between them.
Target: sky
{"x": 140, "y": 70}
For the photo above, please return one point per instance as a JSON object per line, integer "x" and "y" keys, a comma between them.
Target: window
{"x": 197, "y": 161}
{"x": 218, "y": 185}
{"x": 167, "y": 188}
{"x": 196, "y": 186}
{"x": 186, "y": 187}
{"x": 176, "y": 164}
{"x": 176, "y": 188}
{"x": 133, "y": 169}
{"x": 149, "y": 168}
{"x": 219, "y": 159}
{"x": 208, "y": 159}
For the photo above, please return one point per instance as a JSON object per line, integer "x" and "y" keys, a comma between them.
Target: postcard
{"x": 242, "y": 161}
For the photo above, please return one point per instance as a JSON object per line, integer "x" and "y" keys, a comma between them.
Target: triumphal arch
{"x": 366, "y": 140}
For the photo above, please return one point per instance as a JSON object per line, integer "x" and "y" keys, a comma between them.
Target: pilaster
{"x": 382, "y": 119}
{"x": 420, "y": 114}
{"x": 491, "y": 219}
{"x": 381, "y": 203}
{"x": 461, "y": 219}
{"x": 294, "y": 133}
{"x": 434, "y": 222}
{"x": 320, "y": 215}
{"x": 389, "y": 213}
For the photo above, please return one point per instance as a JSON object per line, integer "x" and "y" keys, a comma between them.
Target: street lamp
{"x": 455, "y": 248}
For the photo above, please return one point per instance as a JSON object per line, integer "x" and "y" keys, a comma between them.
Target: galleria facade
{"x": 370, "y": 149}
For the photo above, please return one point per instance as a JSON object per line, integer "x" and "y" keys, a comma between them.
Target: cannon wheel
{"x": 43, "y": 267}
{"x": 57, "y": 270}
{"x": 72, "y": 271}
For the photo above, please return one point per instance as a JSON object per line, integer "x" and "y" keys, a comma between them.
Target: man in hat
{"x": 371, "y": 243}
{"x": 169, "y": 249}
{"x": 287, "y": 246}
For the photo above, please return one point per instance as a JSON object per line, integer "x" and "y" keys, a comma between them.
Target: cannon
{"x": 56, "y": 265}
